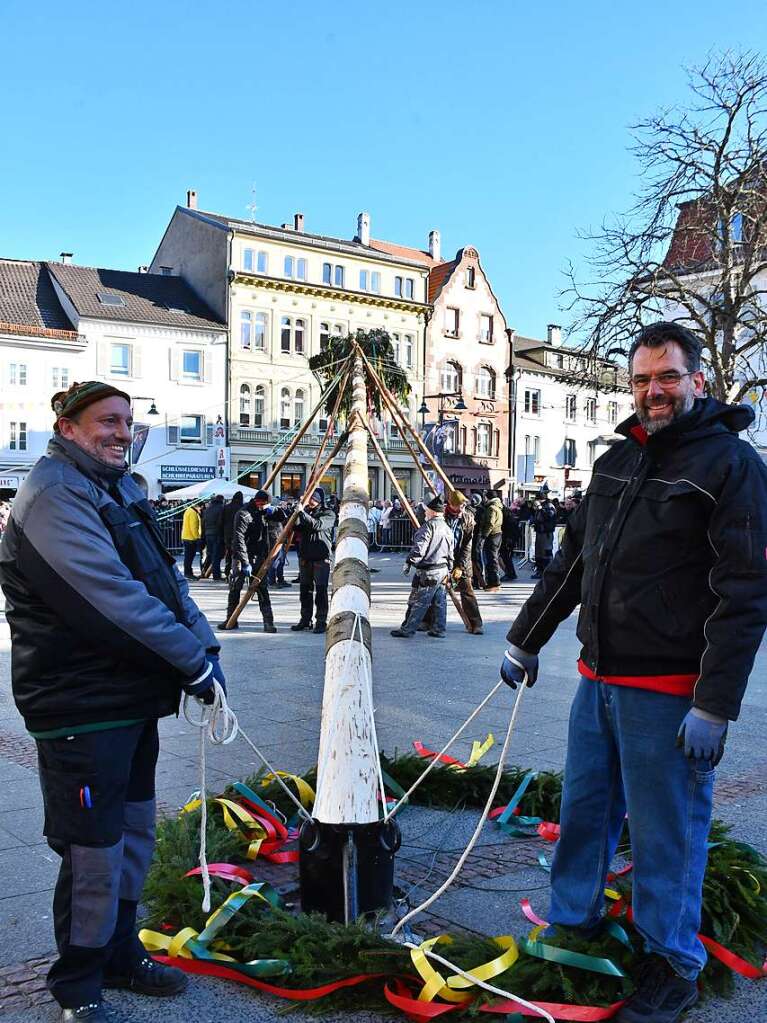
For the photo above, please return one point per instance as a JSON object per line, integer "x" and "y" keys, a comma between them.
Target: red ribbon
{"x": 210, "y": 969}
{"x": 548, "y": 830}
{"x": 529, "y": 912}
{"x": 226, "y": 871}
{"x": 443, "y": 758}
{"x": 735, "y": 963}
{"x": 277, "y": 834}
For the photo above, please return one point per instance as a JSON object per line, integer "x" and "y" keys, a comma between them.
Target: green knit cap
{"x": 66, "y": 404}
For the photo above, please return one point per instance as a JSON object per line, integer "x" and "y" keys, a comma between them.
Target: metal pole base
{"x": 347, "y": 870}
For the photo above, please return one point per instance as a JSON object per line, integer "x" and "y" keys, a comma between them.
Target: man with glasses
{"x": 666, "y": 557}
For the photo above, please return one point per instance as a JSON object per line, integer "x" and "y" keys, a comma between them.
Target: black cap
{"x": 261, "y": 495}
{"x": 436, "y": 504}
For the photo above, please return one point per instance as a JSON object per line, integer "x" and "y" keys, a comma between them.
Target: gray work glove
{"x": 518, "y": 666}
{"x": 702, "y": 734}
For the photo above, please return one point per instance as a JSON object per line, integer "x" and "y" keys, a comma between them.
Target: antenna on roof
{"x": 252, "y": 206}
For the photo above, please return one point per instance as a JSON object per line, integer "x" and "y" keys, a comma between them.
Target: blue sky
{"x": 504, "y": 126}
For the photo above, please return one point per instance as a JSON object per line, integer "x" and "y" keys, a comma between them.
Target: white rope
{"x": 481, "y": 983}
{"x": 485, "y": 813}
{"x": 444, "y": 749}
{"x": 218, "y": 724}
{"x": 374, "y": 734}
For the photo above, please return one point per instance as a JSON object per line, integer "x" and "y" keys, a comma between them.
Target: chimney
{"x": 554, "y": 334}
{"x": 286, "y": 227}
{"x": 434, "y": 246}
{"x": 363, "y": 228}
{"x": 298, "y": 221}
{"x": 191, "y": 199}
{"x": 65, "y": 257}
{"x": 143, "y": 269}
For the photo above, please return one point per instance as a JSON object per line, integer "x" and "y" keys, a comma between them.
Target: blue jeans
{"x": 621, "y": 755}
{"x": 420, "y": 600}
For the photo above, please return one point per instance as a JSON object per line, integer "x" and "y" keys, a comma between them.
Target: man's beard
{"x": 680, "y": 404}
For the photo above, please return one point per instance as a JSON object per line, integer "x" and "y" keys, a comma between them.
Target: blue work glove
{"x": 201, "y": 686}
{"x": 702, "y": 735}
{"x": 517, "y": 664}
{"x": 247, "y": 570}
{"x": 218, "y": 671}
{"x": 406, "y": 568}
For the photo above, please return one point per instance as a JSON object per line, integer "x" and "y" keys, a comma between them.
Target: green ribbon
{"x": 577, "y": 959}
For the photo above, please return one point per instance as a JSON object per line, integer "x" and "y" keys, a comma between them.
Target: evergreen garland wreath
{"x": 378, "y": 348}
{"x": 734, "y": 904}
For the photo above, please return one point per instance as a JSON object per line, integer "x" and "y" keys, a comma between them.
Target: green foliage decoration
{"x": 379, "y": 350}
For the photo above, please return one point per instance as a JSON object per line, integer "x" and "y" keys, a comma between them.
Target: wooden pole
{"x": 347, "y": 763}
{"x": 288, "y": 527}
{"x": 400, "y": 420}
{"x": 411, "y": 514}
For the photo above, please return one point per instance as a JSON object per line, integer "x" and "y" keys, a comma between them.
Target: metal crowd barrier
{"x": 398, "y": 535}
{"x": 171, "y": 533}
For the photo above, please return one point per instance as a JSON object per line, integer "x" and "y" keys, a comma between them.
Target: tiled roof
{"x": 146, "y": 298}
{"x": 438, "y": 278}
{"x": 402, "y": 252}
{"x": 396, "y": 253}
{"x": 28, "y": 302}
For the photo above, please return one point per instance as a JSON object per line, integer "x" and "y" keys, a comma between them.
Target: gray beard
{"x": 680, "y": 405}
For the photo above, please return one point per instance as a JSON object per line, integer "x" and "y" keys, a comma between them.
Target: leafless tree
{"x": 693, "y": 246}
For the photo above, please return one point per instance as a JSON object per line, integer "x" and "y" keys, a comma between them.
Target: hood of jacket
{"x": 707, "y": 416}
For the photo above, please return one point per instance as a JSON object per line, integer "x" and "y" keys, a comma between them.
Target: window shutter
{"x": 203, "y": 431}
{"x": 209, "y": 434}
{"x": 102, "y": 358}
{"x": 135, "y": 361}
{"x": 207, "y": 366}
{"x": 172, "y": 435}
{"x": 173, "y": 361}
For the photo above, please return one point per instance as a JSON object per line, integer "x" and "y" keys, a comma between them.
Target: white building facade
{"x": 561, "y": 425}
{"x": 284, "y": 293}
{"x": 148, "y": 336}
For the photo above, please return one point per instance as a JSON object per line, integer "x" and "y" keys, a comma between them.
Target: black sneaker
{"x": 661, "y": 995}
{"x": 400, "y": 634}
{"x": 93, "y": 1013}
{"x": 435, "y": 634}
{"x": 150, "y": 978}
{"x": 222, "y": 625}
{"x": 301, "y": 627}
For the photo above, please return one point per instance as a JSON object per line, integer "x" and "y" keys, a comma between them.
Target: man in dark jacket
{"x": 316, "y": 523}
{"x": 256, "y": 528}
{"x": 105, "y": 638}
{"x": 460, "y": 518}
{"x": 666, "y": 556}
{"x": 509, "y": 534}
{"x": 544, "y": 525}
{"x": 213, "y": 531}
{"x": 477, "y": 565}
{"x": 230, "y": 510}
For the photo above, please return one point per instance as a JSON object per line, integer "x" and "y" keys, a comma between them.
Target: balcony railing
{"x": 257, "y": 435}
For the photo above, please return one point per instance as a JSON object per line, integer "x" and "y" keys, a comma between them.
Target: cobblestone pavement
{"x": 424, "y": 688}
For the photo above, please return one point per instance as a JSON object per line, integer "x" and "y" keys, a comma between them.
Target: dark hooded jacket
{"x": 230, "y": 511}
{"x": 666, "y": 556}
{"x": 102, "y": 625}
{"x": 316, "y": 531}
{"x": 256, "y": 531}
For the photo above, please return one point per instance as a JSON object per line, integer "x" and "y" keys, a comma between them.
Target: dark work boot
{"x": 320, "y": 627}
{"x": 300, "y": 626}
{"x": 661, "y": 995}
{"x": 269, "y": 627}
{"x": 150, "y": 978}
{"x": 401, "y": 634}
{"x": 92, "y": 1013}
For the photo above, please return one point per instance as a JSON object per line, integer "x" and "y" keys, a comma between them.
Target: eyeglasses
{"x": 668, "y": 381}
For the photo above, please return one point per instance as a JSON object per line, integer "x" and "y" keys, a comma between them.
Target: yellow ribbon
{"x": 436, "y": 985}
{"x": 175, "y": 944}
{"x": 232, "y": 810}
{"x": 478, "y": 750}
{"x": 305, "y": 791}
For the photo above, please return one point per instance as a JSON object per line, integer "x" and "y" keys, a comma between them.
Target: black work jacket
{"x": 666, "y": 556}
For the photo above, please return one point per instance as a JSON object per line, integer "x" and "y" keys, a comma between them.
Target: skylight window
{"x": 114, "y": 300}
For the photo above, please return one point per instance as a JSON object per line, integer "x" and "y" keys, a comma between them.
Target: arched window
{"x": 484, "y": 433}
{"x": 395, "y": 343}
{"x": 259, "y": 340}
{"x": 298, "y": 340}
{"x": 285, "y": 404}
{"x": 286, "y": 329}
{"x": 246, "y": 330}
{"x": 298, "y": 407}
{"x": 452, "y": 375}
{"x": 245, "y": 405}
{"x": 258, "y": 407}
{"x": 324, "y": 336}
{"x": 485, "y": 382}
